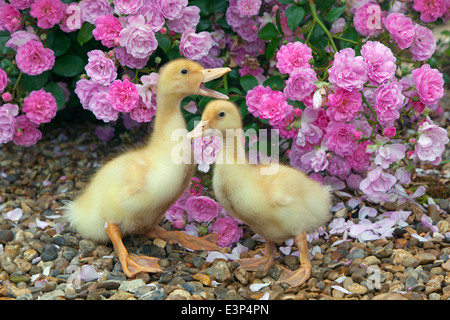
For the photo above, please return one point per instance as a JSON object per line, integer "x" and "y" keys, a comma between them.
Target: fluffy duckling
{"x": 131, "y": 193}
{"x": 279, "y": 206}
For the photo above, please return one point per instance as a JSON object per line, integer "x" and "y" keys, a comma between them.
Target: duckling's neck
{"x": 168, "y": 116}
{"x": 233, "y": 150}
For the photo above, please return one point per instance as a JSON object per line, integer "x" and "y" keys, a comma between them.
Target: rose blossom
{"x": 71, "y": 20}
{"x": 107, "y": 29}
{"x": 123, "y": 95}
{"x": 127, "y": 6}
{"x": 151, "y": 13}
{"x": 100, "y": 105}
{"x": 367, "y": 20}
{"x": 274, "y": 107}
{"x": 292, "y": 56}
{"x": 28, "y": 133}
{"x": 138, "y": 38}
{"x": 377, "y": 184}
{"x": 8, "y": 112}
{"x": 431, "y": 143}
{"x": 189, "y": 20}
{"x": 202, "y": 209}
{"x": 33, "y": 59}
{"x": 248, "y": 8}
{"x": 359, "y": 160}
{"x": 21, "y": 4}
{"x": 171, "y": 9}
{"x": 228, "y": 230}
{"x": 100, "y": 68}
{"x": 10, "y": 18}
{"x": 175, "y": 212}
{"x": 296, "y": 154}
{"x": 309, "y": 132}
{"x": 401, "y": 29}
{"x": 300, "y": 84}
{"x": 3, "y": 80}
{"x": 92, "y": 9}
{"x": 40, "y": 107}
{"x": 47, "y": 12}
{"x": 423, "y": 45}
{"x": 343, "y": 105}
{"x": 388, "y": 100}
{"x": 84, "y": 90}
{"x": 389, "y": 132}
{"x": 339, "y": 138}
{"x": 144, "y": 112}
{"x": 315, "y": 159}
{"x": 195, "y": 45}
{"x": 128, "y": 60}
{"x": 253, "y": 98}
{"x": 338, "y": 167}
{"x": 21, "y": 37}
{"x": 380, "y": 62}
{"x": 387, "y": 153}
{"x": 205, "y": 151}
{"x": 348, "y": 72}
{"x": 429, "y": 84}
{"x": 430, "y": 10}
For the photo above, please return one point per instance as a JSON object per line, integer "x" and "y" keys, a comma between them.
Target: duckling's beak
{"x": 211, "y": 74}
{"x": 201, "y": 130}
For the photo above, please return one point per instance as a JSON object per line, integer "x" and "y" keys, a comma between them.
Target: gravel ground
{"x": 42, "y": 259}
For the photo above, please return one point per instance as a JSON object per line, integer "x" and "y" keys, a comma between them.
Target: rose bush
{"x": 351, "y": 87}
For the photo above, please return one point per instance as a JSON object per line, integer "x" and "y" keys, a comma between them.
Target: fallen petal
{"x": 258, "y": 286}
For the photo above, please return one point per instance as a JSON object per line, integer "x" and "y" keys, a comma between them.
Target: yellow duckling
{"x": 285, "y": 204}
{"x": 131, "y": 193}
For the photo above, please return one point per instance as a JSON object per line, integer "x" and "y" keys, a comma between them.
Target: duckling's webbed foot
{"x": 207, "y": 242}
{"x": 131, "y": 265}
{"x": 260, "y": 264}
{"x": 298, "y": 277}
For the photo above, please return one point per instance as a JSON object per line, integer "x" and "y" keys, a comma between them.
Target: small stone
{"x": 6, "y": 235}
{"x": 131, "y": 285}
{"x": 203, "y": 278}
{"x": 357, "y": 288}
{"x": 122, "y": 295}
{"x": 109, "y": 285}
{"x": 446, "y": 266}
{"x": 19, "y": 278}
{"x": 356, "y": 253}
{"x": 50, "y": 253}
{"x": 433, "y": 286}
{"x": 87, "y": 246}
{"x": 241, "y": 275}
{"x": 389, "y": 296}
{"x": 425, "y": 258}
{"x": 434, "y": 296}
{"x": 433, "y": 213}
{"x": 410, "y": 262}
{"x": 390, "y": 206}
{"x": 411, "y": 283}
{"x": 179, "y": 294}
{"x": 343, "y": 213}
{"x": 53, "y": 295}
{"x": 159, "y": 242}
{"x": 371, "y": 260}
{"x": 219, "y": 271}
{"x": 25, "y": 296}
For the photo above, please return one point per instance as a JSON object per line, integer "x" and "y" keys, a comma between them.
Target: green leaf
{"x": 57, "y": 92}
{"x": 60, "y": 45}
{"x": 32, "y": 83}
{"x": 272, "y": 47}
{"x": 285, "y": 1}
{"x": 268, "y": 32}
{"x": 294, "y": 16}
{"x": 85, "y": 33}
{"x": 248, "y": 82}
{"x": 163, "y": 42}
{"x": 335, "y": 13}
{"x": 275, "y": 83}
{"x": 68, "y": 66}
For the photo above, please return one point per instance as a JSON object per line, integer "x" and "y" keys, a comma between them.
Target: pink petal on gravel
{"x": 213, "y": 255}
{"x": 88, "y": 273}
{"x": 13, "y": 215}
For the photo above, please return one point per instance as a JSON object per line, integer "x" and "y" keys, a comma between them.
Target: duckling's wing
{"x": 277, "y": 187}
{"x": 134, "y": 177}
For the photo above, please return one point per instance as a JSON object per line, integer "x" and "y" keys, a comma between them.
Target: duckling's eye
{"x": 221, "y": 114}
{"x": 184, "y": 71}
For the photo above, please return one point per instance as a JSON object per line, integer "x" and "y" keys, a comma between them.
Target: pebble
{"x": 131, "y": 285}
{"x": 219, "y": 271}
{"x": 50, "y": 253}
{"x": 425, "y": 258}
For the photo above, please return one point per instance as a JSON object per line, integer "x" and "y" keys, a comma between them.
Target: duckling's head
{"x": 182, "y": 77}
{"x": 218, "y": 117}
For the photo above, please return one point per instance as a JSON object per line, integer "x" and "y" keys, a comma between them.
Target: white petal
{"x": 258, "y": 286}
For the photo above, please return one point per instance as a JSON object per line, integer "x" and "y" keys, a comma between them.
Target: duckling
{"x": 282, "y": 205}
{"x": 131, "y": 193}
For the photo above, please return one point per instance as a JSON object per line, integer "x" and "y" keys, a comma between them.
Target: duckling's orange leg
{"x": 131, "y": 265}
{"x": 259, "y": 264}
{"x": 207, "y": 242}
{"x": 298, "y": 277}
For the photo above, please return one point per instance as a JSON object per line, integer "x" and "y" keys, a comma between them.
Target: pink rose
{"x": 348, "y": 72}
{"x": 100, "y": 68}
{"x": 128, "y": 60}
{"x": 8, "y": 112}
{"x": 309, "y": 131}
{"x": 100, "y": 105}
{"x": 423, "y": 45}
{"x": 228, "y": 230}
{"x": 21, "y": 4}
{"x": 343, "y": 105}
{"x": 315, "y": 159}
{"x": 205, "y": 151}
{"x": 338, "y": 167}
{"x": 85, "y": 90}
{"x": 127, "y": 6}
{"x": 300, "y": 84}
{"x": 27, "y": 133}
{"x": 367, "y": 20}
{"x": 123, "y": 95}
{"x": 151, "y": 13}
{"x": 107, "y": 29}
{"x": 380, "y": 62}
{"x": 377, "y": 184}
{"x": 253, "y": 98}
{"x": 202, "y": 209}
{"x": 175, "y": 213}
{"x": 193, "y": 45}
{"x": 296, "y": 154}
{"x": 10, "y": 18}
{"x": 189, "y": 20}
{"x": 388, "y": 101}
{"x": 359, "y": 160}
{"x": 292, "y": 56}
{"x": 19, "y": 38}
{"x": 33, "y": 59}
{"x": 3, "y": 80}
{"x": 144, "y": 112}
{"x": 401, "y": 29}
{"x": 430, "y": 10}
{"x": 171, "y": 9}
{"x": 40, "y": 107}
{"x": 389, "y": 132}
{"x": 429, "y": 84}
{"x": 92, "y": 9}
{"x": 47, "y": 12}
{"x": 431, "y": 143}
{"x": 138, "y": 38}
{"x": 387, "y": 153}
{"x": 248, "y": 8}
{"x": 338, "y": 26}
{"x": 339, "y": 138}
{"x": 275, "y": 108}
